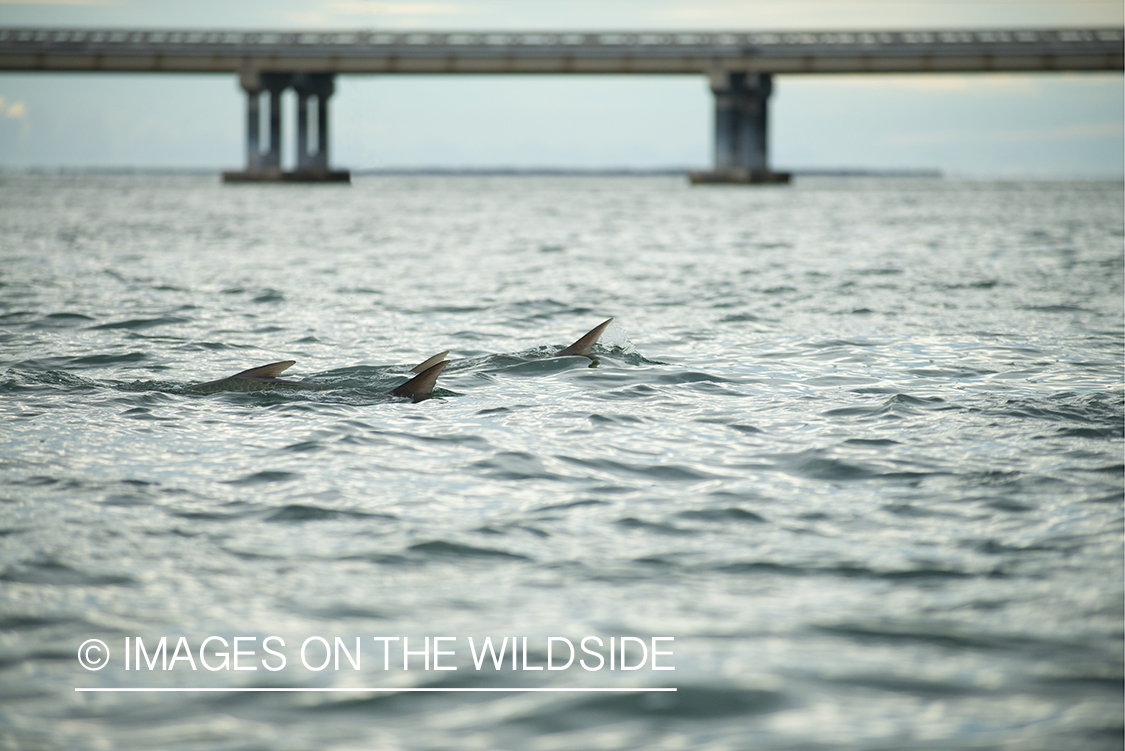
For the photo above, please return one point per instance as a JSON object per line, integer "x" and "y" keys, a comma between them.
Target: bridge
{"x": 740, "y": 67}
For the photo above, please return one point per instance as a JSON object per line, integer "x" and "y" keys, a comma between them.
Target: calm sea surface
{"x": 854, "y": 445}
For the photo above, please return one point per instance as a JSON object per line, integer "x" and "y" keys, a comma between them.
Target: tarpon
{"x": 266, "y": 377}
{"x": 419, "y": 387}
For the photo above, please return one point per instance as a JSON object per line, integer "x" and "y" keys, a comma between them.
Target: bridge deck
{"x": 561, "y": 52}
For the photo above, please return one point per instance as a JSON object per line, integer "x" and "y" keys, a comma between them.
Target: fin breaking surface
{"x": 587, "y": 340}
{"x": 267, "y": 371}
{"x": 429, "y": 363}
{"x": 421, "y": 385}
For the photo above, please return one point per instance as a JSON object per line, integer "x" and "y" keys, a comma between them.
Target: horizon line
{"x": 372, "y": 690}
{"x": 798, "y": 172}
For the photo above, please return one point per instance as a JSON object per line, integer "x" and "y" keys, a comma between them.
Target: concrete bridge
{"x": 740, "y": 67}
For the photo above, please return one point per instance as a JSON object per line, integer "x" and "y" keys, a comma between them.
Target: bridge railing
{"x": 59, "y": 39}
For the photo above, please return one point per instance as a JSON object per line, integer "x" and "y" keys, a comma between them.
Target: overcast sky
{"x": 980, "y": 125}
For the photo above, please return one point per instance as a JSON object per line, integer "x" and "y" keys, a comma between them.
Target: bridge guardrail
{"x": 58, "y": 39}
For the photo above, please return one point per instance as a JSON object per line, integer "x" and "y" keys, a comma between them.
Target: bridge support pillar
{"x": 741, "y": 122}
{"x": 320, "y": 86}
{"x": 302, "y": 130}
{"x": 253, "y": 128}
{"x": 275, "y": 84}
{"x": 265, "y": 166}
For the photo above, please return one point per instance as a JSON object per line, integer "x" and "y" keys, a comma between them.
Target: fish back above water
{"x": 257, "y": 379}
{"x": 264, "y": 377}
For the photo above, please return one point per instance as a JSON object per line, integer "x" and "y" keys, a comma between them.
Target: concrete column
{"x": 741, "y": 118}
{"x": 302, "y": 130}
{"x": 741, "y": 121}
{"x": 265, "y": 166}
{"x": 275, "y": 84}
{"x": 726, "y": 127}
{"x": 272, "y": 158}
{"x": 252, "y": 86}
{"x": 321, "y": 86}
{"x": 321, "y": 161}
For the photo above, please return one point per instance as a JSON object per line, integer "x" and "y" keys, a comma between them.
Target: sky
{"x": 1052, "y": 125}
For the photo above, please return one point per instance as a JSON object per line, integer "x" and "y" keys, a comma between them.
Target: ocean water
{"x": 849, "y": 459}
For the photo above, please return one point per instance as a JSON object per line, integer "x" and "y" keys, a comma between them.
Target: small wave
{"x": 298, "y": 512}
{"x": 689, "y": 376}
{"x": 899, "y": 684}
{"x": 110, "y": 359}
{"x": 851, "y": 571}
{"x": 1101, "y": 412}
{"x": 631, "y": 522}
{"x": 916, "y": 633}
{"x": 19, "y": 316}
{"x": 516, "y": 465}
{"x": 601, "y": 419}
{"x": 19, "y": 380}
{"x": 236, "y": 510}
{"x": 570, "y": 505}
{"x": 60, "y": 320}
{"x": 12, "y": 622}
{"x": 53, "y": 572}
{"x": 505, "y": 529}
{"x": 898, "y": 405}
{"x": 690, "y": 702}
{"x": 1055, "y": 308}
{"x": 650, "y": 472}
{"x": 740, "y": 318}
{"x": 138, "y": 324}
{"x": 264, "y": 477}
{"x": 812, "y": 463}
{"x": 444, "y": 549}
{"x": 722, "y": 515}
{"x": 269, "y": 295}
{"x": 982, "y": 284}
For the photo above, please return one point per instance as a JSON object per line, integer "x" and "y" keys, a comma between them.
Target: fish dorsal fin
{"x": 267, "y": 371}
{"x": 429, "y": 363}
{"x": 582, "y": 346}
{"x": 421, "y": 385}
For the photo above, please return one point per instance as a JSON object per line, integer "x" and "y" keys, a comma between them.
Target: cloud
{"x": 334, "y": 13}
{"x": 362, "y": 7}
{"x": 61, "y": 2}
{"x": 840, "y": 14}
{"x": 308, "y": 18}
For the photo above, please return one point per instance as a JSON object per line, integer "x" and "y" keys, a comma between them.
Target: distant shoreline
{"x": 480, "y": 171}
{"x": 624, "y": 172}
{"x": 828, "y": 172}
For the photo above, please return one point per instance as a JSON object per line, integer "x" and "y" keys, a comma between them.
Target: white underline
{"x": 378, "y": 690}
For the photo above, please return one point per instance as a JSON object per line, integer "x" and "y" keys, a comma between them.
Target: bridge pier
{"x": 253, "y": 128}
{"x": 275, "y": 84}
{"x": 320, "y": 86}
{"x": 265, "y": 166}
{"x": 741, "y": 122}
